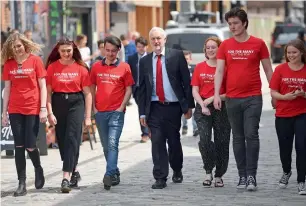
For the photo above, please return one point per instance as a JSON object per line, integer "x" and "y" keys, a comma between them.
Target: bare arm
{"x": 88, "y": 101}
{"x": 6, "y": 96}
{"x": 196, "y": 95}
{"x": 219, "y": 76}
{"x": 267, "y": 66}
{"x": 43, "y": 92}
{"x": 93, "y": 95}
{"x": 127, "y": 96}
{"x": 49, "y": 100}
{"x": 276, "y": 95}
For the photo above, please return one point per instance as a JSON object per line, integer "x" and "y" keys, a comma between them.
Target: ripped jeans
{"x": 110, "y": 126}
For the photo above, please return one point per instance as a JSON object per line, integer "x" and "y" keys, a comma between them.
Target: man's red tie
{"x": 159, "y": 80}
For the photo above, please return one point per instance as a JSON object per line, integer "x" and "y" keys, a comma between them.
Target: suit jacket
{"x": 133, "y": 61}
{"x": 179, "y": 77}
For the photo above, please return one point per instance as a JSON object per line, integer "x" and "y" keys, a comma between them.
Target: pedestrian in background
{"x": 69, "y": 102}
{"x": 164, "y": 95}
{"x": 188, "y": 58}
{"x": 288, "y": 86}
{"x": 24, "y": 100}
{"x": 216, "y": 153}
{"x": 141, "y": 46}
{"x": 111, "y": 90}
{"x": 242, "y": 55}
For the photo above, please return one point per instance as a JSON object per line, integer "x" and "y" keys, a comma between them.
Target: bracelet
{"x": 43, "y": 107}
{"x": 49, "y": 114}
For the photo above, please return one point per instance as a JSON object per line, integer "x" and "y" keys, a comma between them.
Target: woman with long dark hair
{"x": 68, "y": 100}
{"x": 25, "y": 101}
{"x": 288, "y": 86}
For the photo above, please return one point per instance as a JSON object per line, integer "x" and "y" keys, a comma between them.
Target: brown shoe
{"x": 144, "y": 139}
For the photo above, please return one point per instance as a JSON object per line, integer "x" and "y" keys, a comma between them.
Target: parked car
{"x": 193, "y": 36}
{"x": 282, "y": 34}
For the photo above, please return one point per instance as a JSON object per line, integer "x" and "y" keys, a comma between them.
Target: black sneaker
{"x": 115, "y": 179}
{"x": 75, "y": 179}
{"x": 39, "y": 178}
{"x": 242, "y": 183}
{"x": 107, "y": 181}
{"x": 283, "y": 182}
{"x": 65, "y": 187}
{"x": 251, "y": 183}
{"x": 302, "y": 188}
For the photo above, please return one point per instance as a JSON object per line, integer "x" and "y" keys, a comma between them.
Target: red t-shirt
{"x": 111, "y": 81}
{"x": 285, "y": 80}
{"x": 67, "y": 78}
{"x": 25, "y": 92}
{"x": 203, "y": 77}
{"x": 242, "y": 60}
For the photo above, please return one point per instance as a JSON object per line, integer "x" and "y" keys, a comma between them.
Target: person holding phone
{"x": 288, "y": 86}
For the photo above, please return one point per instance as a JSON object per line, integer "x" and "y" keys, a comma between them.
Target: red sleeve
{"x": 49, "y": 75}
{"x": 128, "y": 78}
{"x": 276, "y": 79}
{"x": 85, "y": 78}
{"x": 6, "y": 69}
{"x": 93, "y": 77}
{"x": 39, "y": 68}
{"x": 264, "y": 52}
{"x": 221, "y": 51}
{"x": 195, "y": 81}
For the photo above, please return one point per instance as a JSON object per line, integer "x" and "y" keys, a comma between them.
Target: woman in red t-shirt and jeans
{"x": 288, "y": 86}
{"x": 67, "y": 83}
{"x": 207, "y": 117}
{"x": 25, "y": 101}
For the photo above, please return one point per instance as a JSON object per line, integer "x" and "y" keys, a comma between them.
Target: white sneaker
{"x": 302, "y": 188}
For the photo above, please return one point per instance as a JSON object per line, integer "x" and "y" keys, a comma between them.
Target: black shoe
{"x": 196, "y": 133}
{"x": 65, "y": 187}
{"x": 39, "y": 178}
{"x": 107, "y": 181}
{"x": 21, "y": 190}
{"x": 251, "y": 183}
{"x": 184, "y": 130}
{"x": 75, "y": 179}
{"x": 115, "y": 179}
{"x": 159, "y": 184}
{"x": 177, "y": 177}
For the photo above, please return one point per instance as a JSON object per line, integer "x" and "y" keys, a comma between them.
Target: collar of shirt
{"x": 140, "y": 56}
{"x": 115, "y": 63}
{"x": 162, "y": 53}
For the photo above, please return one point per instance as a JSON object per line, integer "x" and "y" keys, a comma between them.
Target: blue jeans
{"x": 110, "y": 126}
{"x": 194, "y": 124}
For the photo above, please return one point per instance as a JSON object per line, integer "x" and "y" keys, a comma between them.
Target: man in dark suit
{"x": 164, "y": 94}
{"x": 141, "y": 47}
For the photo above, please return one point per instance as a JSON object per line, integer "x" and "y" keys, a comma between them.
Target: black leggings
{"x": 214, "y": 153}
{"x": 68, "y": 108}
{"x": 286, "y": 129}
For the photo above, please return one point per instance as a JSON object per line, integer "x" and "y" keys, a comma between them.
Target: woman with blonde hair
{"x": 24, "y": 100}
{"x": 214, "y": 154}
{"x": 288, "y": 86}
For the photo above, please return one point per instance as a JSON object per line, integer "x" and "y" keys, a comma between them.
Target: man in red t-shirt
{"x": 242, "y": 55}
{"x": 112, "y": 82}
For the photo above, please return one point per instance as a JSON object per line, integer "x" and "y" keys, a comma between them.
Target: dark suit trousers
{"x": 164, "y": 123}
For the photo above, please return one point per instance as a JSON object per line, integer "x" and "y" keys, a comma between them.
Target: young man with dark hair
{"x": 242, "y": 55}
{"x": 100, "y": 44}
{"x": 111, "y": 89}
{"x": 188, "y": 58}
{"x": 133, "y": 61}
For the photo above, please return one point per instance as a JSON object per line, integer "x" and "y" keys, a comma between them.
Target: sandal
{"x": 207, "y": 180}
{"x": 219, "y": 182}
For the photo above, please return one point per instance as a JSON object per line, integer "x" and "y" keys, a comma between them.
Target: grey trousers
{"x": 244, "y": 116}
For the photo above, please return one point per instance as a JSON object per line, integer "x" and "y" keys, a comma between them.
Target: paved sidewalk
{"x": 136, "y": 175}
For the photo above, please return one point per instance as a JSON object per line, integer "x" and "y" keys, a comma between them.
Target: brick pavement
{"x": 136, "y": 167}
